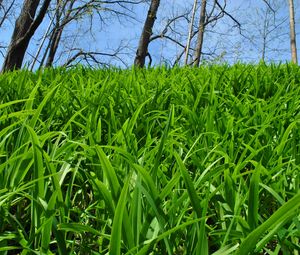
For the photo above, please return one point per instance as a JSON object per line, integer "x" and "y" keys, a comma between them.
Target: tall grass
{"x": 159, "y": 161}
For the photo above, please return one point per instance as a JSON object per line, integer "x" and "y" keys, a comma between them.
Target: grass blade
{"x": 248, "y": 244}
{"x": 115, "y": 242}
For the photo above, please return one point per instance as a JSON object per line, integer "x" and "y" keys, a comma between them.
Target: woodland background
{"x": 105, "y": 33}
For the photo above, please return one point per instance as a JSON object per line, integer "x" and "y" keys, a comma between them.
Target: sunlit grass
{"x": 159, "y": 161}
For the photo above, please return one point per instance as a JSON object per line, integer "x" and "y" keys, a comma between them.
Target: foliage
{"x": 159, "y": 161}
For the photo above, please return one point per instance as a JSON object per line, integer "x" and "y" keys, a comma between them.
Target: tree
{"x": 25, "y": 27}
{"x": 265, "y": 26}
{"x": 85, "y": 13}
{"x": 63, "y": 16}
{"x": 5, "y": 9}
{"x": 200, "y": 33}
{"x": 188, "y": 44}
{"x": 292, "y": 32}
{"x": 210, "y": 18}
{"x": 175, "y": 34}
{"x": 144, "y": 41}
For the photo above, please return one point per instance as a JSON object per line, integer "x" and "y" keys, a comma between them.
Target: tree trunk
{"x": 57, "y": 32}
{"x": 200, "y": 34}
{"x": 41, "y": 44}
{"x": 25, "y": 28}
{"x": 265, "y": 35}
{"x": 142, "y": 50}
{"x": 53, "y": 46}
{"x": 187, "y": 49}
{"x": 292, "y": 32}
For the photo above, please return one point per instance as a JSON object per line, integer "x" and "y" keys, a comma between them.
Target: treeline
{"x": 190, "y": 39}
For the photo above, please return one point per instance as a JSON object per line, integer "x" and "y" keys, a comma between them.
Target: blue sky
{"x": 224, "y": 41}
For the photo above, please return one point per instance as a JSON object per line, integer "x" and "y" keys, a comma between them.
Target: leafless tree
{"x": 265, "y": 28}
{"x": 5, "y": 9}
{"x": 217, "y": 12}
{"x": 266, "y": 31}
{"x": 188, "y": 44}
{"x": 200, "y": 33}
{"x": 68, "y": 11}
{"x": 94, "y": 57}
{"x": 25, "y": 27}
{"x": 6, "y": 13}
{"x": 292, "y": 32}
{"x": 144, "y": 41}
{"x": 175, "y": 31}
{"x": 62, "y": 10}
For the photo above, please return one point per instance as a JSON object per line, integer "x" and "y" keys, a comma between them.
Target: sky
{"x": 223, "y": 41}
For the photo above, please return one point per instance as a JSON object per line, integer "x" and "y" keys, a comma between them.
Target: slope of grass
{"x": 160, "y": 161}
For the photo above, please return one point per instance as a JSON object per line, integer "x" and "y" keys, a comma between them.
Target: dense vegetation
{"x": 160, "y": 161}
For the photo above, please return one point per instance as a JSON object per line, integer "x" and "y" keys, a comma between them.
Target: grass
{"x": 158, "y": 161}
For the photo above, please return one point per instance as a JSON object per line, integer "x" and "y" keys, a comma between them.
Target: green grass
{"x": 159, "y": 161}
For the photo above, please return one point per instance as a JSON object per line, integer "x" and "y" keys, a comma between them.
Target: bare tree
{"x": 5, "y": 10}
{"x": 269, "y": 26}
{"x": 188, "y": 44}
{"x": 95, "y": 57}
{"x": 200, "y": 33}
{"x": 144, "y": 41}
{"x": 68, "y": 11}
{"x": 174, "y": 31}
{"x": 25, "y": 28}
{"x": 217, "y": 12}
{"x": 292, "y": 32}
{"x": 265, "y": 29}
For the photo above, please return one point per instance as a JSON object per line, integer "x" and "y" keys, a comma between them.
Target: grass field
{"x": 159, "y": 161}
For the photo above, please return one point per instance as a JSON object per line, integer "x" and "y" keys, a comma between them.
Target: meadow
{"x": 159, "y": 161}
